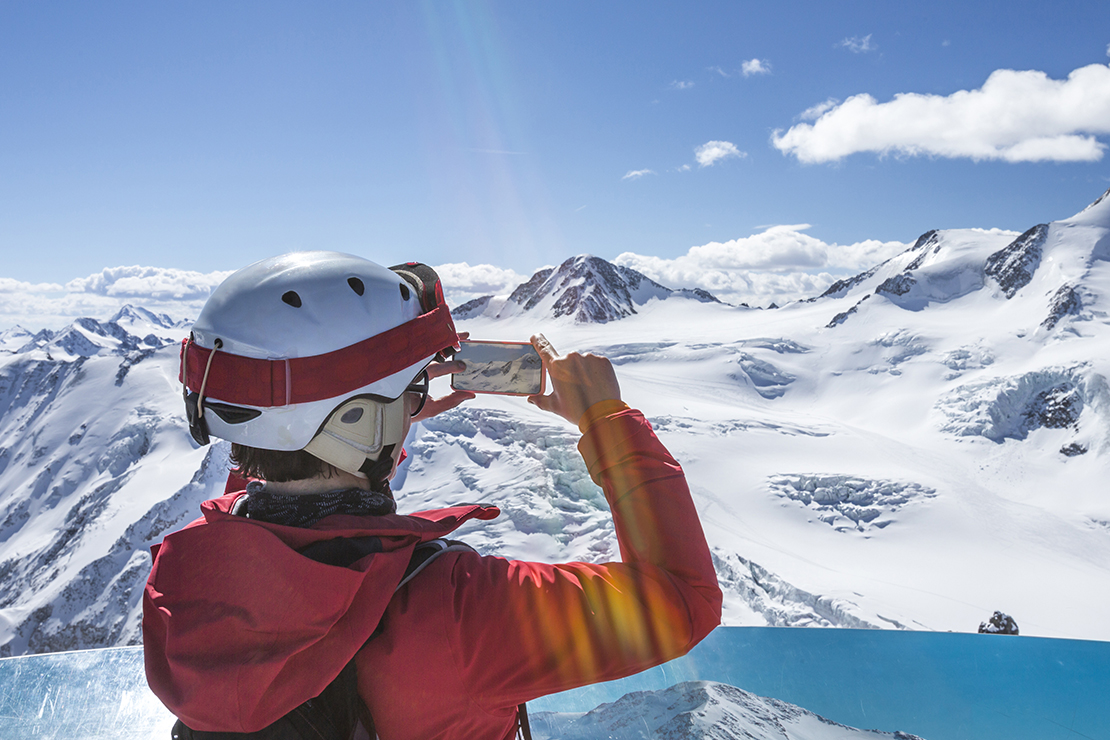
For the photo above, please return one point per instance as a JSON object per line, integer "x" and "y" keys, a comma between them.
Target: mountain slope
{"x": 937, "y": 455}
{"x": 95, "y": 466}
{"x": 586, "y": 289}
{"x": 699, "y": 709}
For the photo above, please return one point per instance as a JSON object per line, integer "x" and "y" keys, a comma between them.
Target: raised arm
{"x": 521, "y": 630}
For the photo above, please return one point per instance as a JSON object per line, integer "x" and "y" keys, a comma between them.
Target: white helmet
{"x": 285, "y": 342}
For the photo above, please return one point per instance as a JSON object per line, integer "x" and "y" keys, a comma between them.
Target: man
{"x": 313, "y": 365}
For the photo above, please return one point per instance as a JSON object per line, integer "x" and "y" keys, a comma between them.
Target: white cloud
{"x": 8, "y": 285}
{"x": 681, "y": 85}
{"x": 858, "y": 45}
{"x": 463, "y": 282}
{"x": 1016, "y": 116}
{"x": 1108, "y": 50}
{"x": 712, "y": 152}
{"x": 179, "y": 293}
{"x": 718, "y": 70}
{"x": 778, "y": 265}
{"x": 636, "y": 174}
{"x": 182, "y": 293}
{"x": 814, "y": 112}
{"x": 683, "y": 168}
{"x": 755, "y": 67}
{"x": 157, "y": 283}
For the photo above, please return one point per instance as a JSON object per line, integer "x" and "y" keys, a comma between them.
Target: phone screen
{"x": 512, "y": 368}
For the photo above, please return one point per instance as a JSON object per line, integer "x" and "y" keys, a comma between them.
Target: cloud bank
{"x": 1016, "y": 116}
{"x": 463, "y": 282}
{"x": 152, "y": 283}
{"x": 778, "y": 265}
{"x": 181, "y": 293}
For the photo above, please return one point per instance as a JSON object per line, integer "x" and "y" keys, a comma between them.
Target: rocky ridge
{"x": 586, "y": 289}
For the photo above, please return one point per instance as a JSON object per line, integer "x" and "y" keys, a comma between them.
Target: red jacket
{"x": 239, "y": 628}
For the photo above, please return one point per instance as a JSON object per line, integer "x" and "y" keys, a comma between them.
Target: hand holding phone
{"x": 578, "y": 381}
{"x": 506, "y": 368}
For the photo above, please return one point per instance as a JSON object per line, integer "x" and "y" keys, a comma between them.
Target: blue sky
{"x": 203, "y": 136}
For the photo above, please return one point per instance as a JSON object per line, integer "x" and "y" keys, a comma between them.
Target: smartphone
{"x": 509, "y": 368}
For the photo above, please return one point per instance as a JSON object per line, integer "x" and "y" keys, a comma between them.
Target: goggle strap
{"x": 250, "y": 381}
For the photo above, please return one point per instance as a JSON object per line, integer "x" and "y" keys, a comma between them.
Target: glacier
{"x": 919, "y": 446}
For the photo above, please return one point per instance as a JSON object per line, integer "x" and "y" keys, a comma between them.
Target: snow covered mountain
{"x": 694, "y": 710}
{"x": 585, "y": 288}
{"x": 130, "y": 329}
{"x": 920, "y": 446}
{"x": 89, "y": 434}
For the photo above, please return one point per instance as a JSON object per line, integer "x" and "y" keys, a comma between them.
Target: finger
{"x": 463, "y": 335}
{"x": 546, "y": 352}
{"x": 439, "y": 369}
{"x": 436, "y": 406}
{"x": 541, "y": 401}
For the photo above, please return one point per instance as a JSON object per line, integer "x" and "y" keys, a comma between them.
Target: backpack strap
{"x": 428, "y": 551}
{"x": 422, "y": 557}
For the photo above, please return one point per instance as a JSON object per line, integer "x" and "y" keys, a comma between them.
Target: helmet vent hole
{"x": 292, "y": 299}
{"x": 351, "y": 416}
{"x": 404, "y": 292}
{"x": 356, "y": 285}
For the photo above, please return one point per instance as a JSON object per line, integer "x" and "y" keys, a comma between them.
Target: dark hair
{"x": 277, "y": 465}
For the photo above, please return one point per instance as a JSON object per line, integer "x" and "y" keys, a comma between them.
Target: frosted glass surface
{"x": 80, "y": 695}
{"x": 939, "y": 686}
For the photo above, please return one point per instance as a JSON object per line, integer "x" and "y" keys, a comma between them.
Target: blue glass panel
{"x": 80, "y": 696}
{"x": 939, "y": 686}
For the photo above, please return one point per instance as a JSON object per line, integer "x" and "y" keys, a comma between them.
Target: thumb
{"x": 541, "y": 401}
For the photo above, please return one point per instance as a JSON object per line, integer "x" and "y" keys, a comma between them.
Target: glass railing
{"x": 937, "y": 686}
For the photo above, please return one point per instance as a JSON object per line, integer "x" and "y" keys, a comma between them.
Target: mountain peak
{"x": 130, "y": 315}
{"x": 588, "y": 289}
{"x": 1096, "y": 214}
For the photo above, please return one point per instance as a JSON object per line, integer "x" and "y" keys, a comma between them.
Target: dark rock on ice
{"x": 591, "y": 291}
{"x": 698, "y": 294}
{"x": 840, "y": 318}
{"x": 1066, "y": 302}
{"x": 472, "y": 308}
{"x": 840, "y": 287}
{"x": 930, "y": 238}
{"x": 999, "y": 624}
{"x": 1055, "y": 408}
{"x": 1072, "y": 449}
{"x": 136, "y": 314}
{"x": 1013, "y": 265}
{"x": 897, "y": 285}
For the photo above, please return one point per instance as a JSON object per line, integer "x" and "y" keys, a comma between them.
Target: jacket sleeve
{"x": 519, "y": 630}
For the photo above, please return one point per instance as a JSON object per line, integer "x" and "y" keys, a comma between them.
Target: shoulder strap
{"x": 428, "y": 551}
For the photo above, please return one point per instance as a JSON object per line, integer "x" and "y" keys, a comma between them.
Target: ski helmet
{"x": 314, "y": 351}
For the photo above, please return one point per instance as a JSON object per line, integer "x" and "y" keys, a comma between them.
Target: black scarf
{"x": 304, "y": 510}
